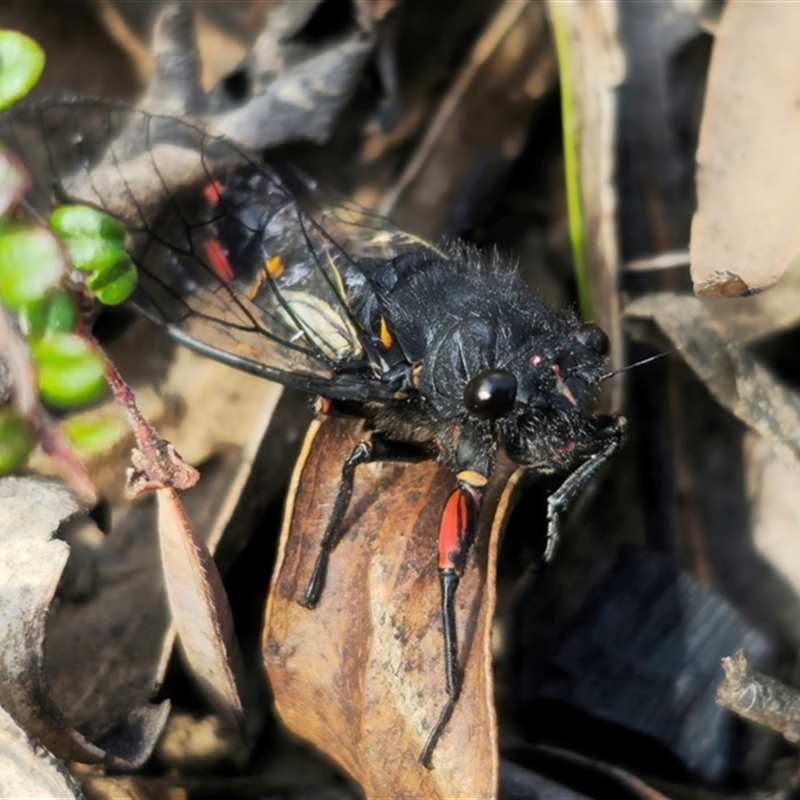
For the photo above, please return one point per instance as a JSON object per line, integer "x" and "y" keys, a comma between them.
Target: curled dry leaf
{"x": 732, "y": 375}
{"x": 122, "y": 626}
{"x": 745, "y": 233}
{"x": 200, "y": 609}
{"x": 31, "y": 509}
{"x": 772, "y": 492}
{"x": 295, "y": 91}
{"x": 362, "y": 675}
{"x": 29, "y": 770}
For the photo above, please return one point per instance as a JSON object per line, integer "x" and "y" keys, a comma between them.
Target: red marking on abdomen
{"x": 217, "y": 260}
{"x": 212, "y": 192}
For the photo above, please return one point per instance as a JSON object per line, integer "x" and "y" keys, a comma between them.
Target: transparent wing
{"x": 257, "y": 268}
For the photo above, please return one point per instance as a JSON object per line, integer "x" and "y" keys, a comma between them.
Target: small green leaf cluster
{"x": 45, "y": 269}
{"x": 95, "y": 244}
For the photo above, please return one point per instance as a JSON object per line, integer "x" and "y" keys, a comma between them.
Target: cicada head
{"x": 553, "y": 422}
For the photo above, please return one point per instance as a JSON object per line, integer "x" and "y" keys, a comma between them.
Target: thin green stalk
{"x": 571, "y": 139}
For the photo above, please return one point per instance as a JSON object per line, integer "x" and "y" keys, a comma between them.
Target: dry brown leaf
{"x": 200, "y": 610}
{"x": 362, "y": 674}
{"x": 122, "y": 626}
{"x": 31, "y": 509}
{"x": 738, "y": 382}
{"x": 29, "y": 770}
{"x": 750, "y": 318}
{"x": 745, "y": 232}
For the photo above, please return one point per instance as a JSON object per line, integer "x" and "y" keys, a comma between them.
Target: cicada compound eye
{"x": 491, "y": 393}
{"x": 594, "y": 337}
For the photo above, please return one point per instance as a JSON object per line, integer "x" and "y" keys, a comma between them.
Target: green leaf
{"x": 79, "y": 220}
{"x": 114, "y": 285}
{"x": 21, "y": 64}
{"x": 95, "y": 241}
{"x": 31, "y": 263}
{"x": 55, "y": 313}
{"x": 71, "y": 370}
{"x": 93, "y": 433}
{"x": 16, "y": 442}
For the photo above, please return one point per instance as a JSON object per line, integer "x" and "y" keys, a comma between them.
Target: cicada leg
{"x": 456, "y": 534}
{"x": 558, "y": 502}
{"x": 365, "y": 452}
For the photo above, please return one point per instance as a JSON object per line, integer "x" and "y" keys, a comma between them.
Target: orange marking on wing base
{"x": 272, "y": 269}
{"x": 275, "y": 266}
{"x": 386, "y": 334}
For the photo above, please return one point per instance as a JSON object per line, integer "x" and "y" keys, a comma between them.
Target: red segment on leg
{"x": 457, "y": 527}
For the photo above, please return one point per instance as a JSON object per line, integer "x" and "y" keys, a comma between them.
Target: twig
{"x": 758, "y": 698}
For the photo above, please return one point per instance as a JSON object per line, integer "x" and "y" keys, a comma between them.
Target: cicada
{"x": 442, "y": 350}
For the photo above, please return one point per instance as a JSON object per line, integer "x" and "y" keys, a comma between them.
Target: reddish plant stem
{"x": 156, "y": 463}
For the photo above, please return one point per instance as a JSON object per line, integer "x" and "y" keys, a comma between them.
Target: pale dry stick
{"x": 500, "y": 26}
{"x": 759, "y": 698}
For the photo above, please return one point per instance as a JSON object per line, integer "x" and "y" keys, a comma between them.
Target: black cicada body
{"x": 444, "y": 351}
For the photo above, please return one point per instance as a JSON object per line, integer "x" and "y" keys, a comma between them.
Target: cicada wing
{"x": 55, "y": 140}
{"x": 227, "y": 256}
{"x": 237, "y": 273}
{"x": 356, "y": 230}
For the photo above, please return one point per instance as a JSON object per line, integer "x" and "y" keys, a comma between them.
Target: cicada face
{"x": 555, "y": 423}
